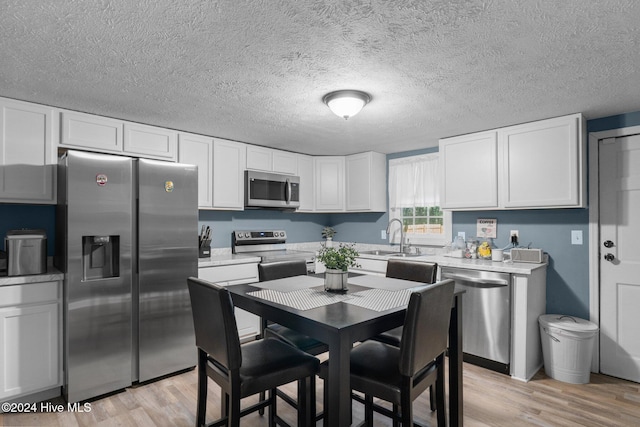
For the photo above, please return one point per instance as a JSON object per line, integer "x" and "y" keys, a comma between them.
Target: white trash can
{"x": 567, "y": 347}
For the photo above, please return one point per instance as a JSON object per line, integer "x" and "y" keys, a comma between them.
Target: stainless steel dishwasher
{"x": 486, "y": 316}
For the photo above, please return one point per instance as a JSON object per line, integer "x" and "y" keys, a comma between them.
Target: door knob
{"x": 609, "y": 257}
{"x": 608, "y": 244}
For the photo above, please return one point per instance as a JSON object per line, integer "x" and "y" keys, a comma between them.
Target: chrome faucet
{"x": 401, "y": 233}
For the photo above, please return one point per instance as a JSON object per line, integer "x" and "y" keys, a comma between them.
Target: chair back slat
{"x": 281, "y": 269}
{"x": 416, "y": 271}
{"x": 426, "y": 326}
{"x": 214, "y": 322}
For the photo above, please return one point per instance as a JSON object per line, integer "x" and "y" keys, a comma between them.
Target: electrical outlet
{"x": 576, "y": 237}
{"x": 383, "y": 234}
{"x": 462, "y": 234}
{"x": 514, "y": 237}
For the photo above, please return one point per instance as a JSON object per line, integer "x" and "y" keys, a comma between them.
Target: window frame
{"x": 419, "y": 238}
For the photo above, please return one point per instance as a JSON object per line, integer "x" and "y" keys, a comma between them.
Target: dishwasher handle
{"x": 476, "y": 281}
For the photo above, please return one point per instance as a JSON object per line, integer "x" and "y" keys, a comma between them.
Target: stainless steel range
{"x": 270, "y": 246}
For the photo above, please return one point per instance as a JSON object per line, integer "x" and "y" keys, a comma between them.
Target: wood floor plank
{"x": 490, "y": 400}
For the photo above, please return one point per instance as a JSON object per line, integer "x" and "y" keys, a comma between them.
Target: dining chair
{"x": 281, "y": 270}
{"x": 400, "y": 374}
{"x": 416, "y": 271}
{"x": 247, "y": 369}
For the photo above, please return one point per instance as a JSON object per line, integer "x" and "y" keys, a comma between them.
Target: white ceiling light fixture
{"x": 346, "y": 103}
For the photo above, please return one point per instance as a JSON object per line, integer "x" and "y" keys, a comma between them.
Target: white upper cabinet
{"x": 149, "y": 141}
{"x": 259, "y": 158}
{"x": 307, "y": 178}
{"x": 469, "y": 171}
{"x": 27, "y": 153}
{"x": 91, "y": 132}
{"x": 198, "y": 150}
{"x": 329, "y": 183}
{"x": 542, "y": 164}
{"x": 105, "y": 135}
{"x": 229, "y": 160}
{"x": 270, "y": 160}
{"x": 530, "y": 166}
{"x": 366, "y": 187}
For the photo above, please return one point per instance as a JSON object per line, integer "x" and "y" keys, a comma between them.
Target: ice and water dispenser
{"x": 100, "y": 257}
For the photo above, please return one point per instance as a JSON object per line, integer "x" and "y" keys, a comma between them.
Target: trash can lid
{"x": 567, "y": 323}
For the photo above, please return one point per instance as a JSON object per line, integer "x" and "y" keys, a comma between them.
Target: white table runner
{"x": 380, "y": 299}
{"x": 289, "y": 284}
{"x": 379, "y": 282}
{"x": 302, "y": 299}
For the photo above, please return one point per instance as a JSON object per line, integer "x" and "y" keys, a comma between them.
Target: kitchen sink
{"x": 388, "y": 253}
{"x": 381, "y": 253}
{"x": 398, "y": 254}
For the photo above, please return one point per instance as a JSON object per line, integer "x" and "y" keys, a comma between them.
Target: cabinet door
{"x": 469, "y": 171}
{"x": 149, "y": 141}
{"x": 306, "y": 174}
{"x": 329, "y": 183}
{"x": 228, "y": 174}
{"x": 366, "y": 182}
{"x": 285, "y": 162}
{"x": 248, "y": 323}
{"x": 29, "y": 349}
{"x": 542, "y": 164}
{"x": 259, "y": 158}
{"x": 92, "y": 132}
{"x": 27, "y": 160}
{"x": 198, "y": 150}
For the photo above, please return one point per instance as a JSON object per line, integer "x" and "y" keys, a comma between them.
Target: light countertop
{"x": 226, "y": 259}
{"x": 51, "y": 275}
{"x": 471, "y": 264}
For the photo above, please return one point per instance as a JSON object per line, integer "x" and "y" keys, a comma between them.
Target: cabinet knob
{"x": 608, "y": 244}
{"x": 609, "y": 257}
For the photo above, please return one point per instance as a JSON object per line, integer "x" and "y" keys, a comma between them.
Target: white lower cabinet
{"x": 236, "y": 274}
{"x": 30, "y": 339}
{"x": 376, "y": 267}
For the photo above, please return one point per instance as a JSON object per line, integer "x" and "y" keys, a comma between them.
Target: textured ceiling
{"x": 256, "y": 71}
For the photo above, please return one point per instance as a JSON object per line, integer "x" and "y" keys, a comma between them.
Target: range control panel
{"x": 247, "y": 237}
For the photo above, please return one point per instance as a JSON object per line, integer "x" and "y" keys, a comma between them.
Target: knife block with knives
{"x": 204, "y": 242}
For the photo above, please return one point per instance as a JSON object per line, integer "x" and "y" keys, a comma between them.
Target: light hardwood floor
{"x": 490, "y": 399}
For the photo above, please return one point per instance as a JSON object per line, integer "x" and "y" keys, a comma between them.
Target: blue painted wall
{"x": 14, "y": 217}
{"x": 299, "y": 227}
{"x": 550, "y": 230}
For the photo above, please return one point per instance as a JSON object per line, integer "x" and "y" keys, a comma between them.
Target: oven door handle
{"x": 476, "y": 280}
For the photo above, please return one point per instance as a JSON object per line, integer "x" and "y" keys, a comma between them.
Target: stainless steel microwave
{"x": 271, "y": 190}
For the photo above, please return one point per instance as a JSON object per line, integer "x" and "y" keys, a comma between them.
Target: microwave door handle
{"x": 287, "y": 191}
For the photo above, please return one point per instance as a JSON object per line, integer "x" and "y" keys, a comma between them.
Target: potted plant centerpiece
{"x": 337, "y": 261}
{"x": 328, "y": 233}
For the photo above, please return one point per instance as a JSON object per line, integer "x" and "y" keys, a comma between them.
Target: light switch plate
{"x": 462, "y": 234}
{"x": 383, "y": 234}
{"x": 576, "y": 237}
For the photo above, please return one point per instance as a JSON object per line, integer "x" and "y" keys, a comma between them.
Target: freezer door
{"x": 95, "y": 222}
{"x": 167, "y": 256}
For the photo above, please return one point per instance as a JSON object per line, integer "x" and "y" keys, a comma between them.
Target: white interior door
{"x": 620, "y": 257}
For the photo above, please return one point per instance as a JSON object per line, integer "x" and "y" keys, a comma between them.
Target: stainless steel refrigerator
{"x": 126, "y": 237}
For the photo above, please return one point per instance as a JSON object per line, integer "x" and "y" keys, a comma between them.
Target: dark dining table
{"x": 340, "y": 325}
